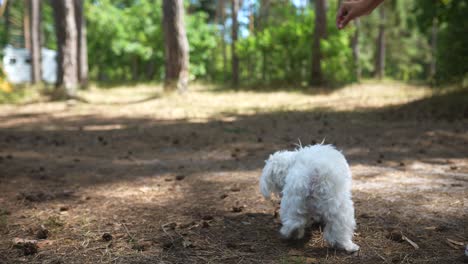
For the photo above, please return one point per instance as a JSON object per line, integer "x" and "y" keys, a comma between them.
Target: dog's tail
{"x": 265, "y": 181}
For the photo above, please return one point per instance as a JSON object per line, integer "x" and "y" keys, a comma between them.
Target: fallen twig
{"x": 128, "y": 233}
{"x": 410, "y": 241}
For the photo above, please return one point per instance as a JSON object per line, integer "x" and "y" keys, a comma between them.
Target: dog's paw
{"x": 289, "y": 233}
{"x": 351, "y": 247}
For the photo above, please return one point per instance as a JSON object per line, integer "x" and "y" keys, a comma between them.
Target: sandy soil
{"x": 135, "y": 176}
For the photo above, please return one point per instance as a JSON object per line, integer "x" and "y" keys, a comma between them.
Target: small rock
{"x": 223, "y": 196}
{"x": 259, "y": 140}
{"x": 402, "y": 164}
{"x": 187, "y": 244}
{"x": 235, "y": 189}
{"x": 63, "y": 208}
{"x": 106, "y": 237}
{"x": 395, "y": 235}
{"x": 205, "y": 224}
{"x": 208, "y": 217}
{"x": 180, "y": 177}
{"x": 379, "y": 161}
{"x": 237, "y": 209}
{"x": 453, "y": 167}
{"x": 42, "y": 233}
{"x": 167, "y": 245}
{"x": 168, "y": 179}
{"x": 29, "y": 247}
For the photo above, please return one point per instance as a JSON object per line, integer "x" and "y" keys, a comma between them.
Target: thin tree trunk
{"x": 65, "y": 24}
{"x": 356, "y": 51}
{"x": 27, "y": 25}
{"x": 222, "y": 22}
{"x": 176, "y": 46}
{"x": 251, "y": 17}
{"x": 135, "y": 68}
{"x": 433, "y": 66}
{"x": 234, "y": 57}
{"x": 264, "y": 65}
{"x": 35, "y": 45}
{"x": 82, "y": 49}
{"x": 264, "y": 12}
{"x": 380, "y": 55}
{"x": 320, "y": 32}
{"x": 6, "y": 23}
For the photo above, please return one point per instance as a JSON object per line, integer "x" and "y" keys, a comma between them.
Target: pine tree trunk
{"x": 6, "y": 23}
{"x": 82, "y": 49}
{"x": 222, "y": 22}
{"x": 433, "y": 66}
{"x": 380, "y": 55}
{"x": 27, "y": 24}
{"x": 356, "y": 51}
{"x": 320, "y": 32}
{"x": 35, "y": 16}
{"x": 234, "y": 57}
{"x": 176, "y": 46}
{"x": 264, "y": 12}
{"x": 65, "y": 26}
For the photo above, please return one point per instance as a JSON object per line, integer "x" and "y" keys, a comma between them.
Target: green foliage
{"x": 452, "y": 52}
{"x": 126, "y": 42}
{"x": 202, "y": 40}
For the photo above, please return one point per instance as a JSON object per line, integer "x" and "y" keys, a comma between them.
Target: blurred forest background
{"x": 276, "y": 41}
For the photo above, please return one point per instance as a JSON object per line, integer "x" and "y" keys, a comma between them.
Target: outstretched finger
{"x": 346, "y": 19}
{"x": 340, "y": 15}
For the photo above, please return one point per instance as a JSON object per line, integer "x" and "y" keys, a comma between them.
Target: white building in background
{"x": 17, "y": 65}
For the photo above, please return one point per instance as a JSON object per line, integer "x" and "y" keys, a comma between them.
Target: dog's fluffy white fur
{"x": 314, "y": 184}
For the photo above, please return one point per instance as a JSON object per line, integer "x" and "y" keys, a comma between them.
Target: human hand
{"x": 351, "y": 9}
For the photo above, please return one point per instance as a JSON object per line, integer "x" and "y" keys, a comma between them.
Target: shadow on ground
{"x": 128, "y": 168}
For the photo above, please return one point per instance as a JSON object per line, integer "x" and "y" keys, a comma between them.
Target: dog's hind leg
{"x": 293, "y": 211}
{"x": 340, "y": 226}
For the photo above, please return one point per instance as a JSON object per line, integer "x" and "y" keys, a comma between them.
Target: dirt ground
{"x": 134, "y": 176}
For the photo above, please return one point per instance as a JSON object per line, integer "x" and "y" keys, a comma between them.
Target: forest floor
{"x": 135, "y": 176}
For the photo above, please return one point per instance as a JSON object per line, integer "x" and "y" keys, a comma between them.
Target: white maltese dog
{"x": 314, "y": 184}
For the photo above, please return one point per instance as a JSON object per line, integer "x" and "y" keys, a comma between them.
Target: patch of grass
{"x": 53, "y": 222}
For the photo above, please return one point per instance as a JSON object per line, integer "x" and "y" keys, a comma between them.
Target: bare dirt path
{"x": 136, "y": 177}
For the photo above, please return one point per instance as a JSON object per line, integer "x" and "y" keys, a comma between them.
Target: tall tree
{"x": 380, "y": 54}
{"x": 176, "y": 46}
{"x": 234, "y": 35}
{"x": 221, "y": 17}
{"x": 82, "y": 49}
{"x": 356, "y": 51}
{"x": 6, "y": 12}
{"x": 35, "y": 38}
{"x": 320, "y": 32}
{"x": 65, "y": 28}
{"x": 433, "y": 64}
{"x": 27, "y": 24}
